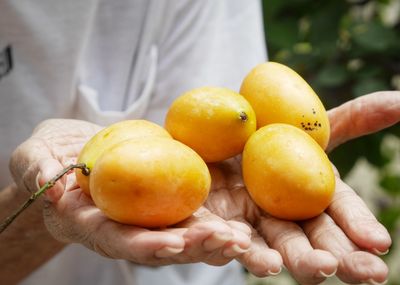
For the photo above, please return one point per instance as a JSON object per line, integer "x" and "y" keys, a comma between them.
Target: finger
{"x": 24, "y": 160}
{"x": 363, "y": 267}
{"x": 137, "y": 244}
{"x": 47, "y": 170}
{"x": 352, "y": 215}
{"x": 32, "y": 165}
{"x": 323, "y": 233}
{"x": 355, "y": 266}
{"x": 239, "y": 244}
{"x": 212, "y": 240}
{"x": 207, "y": 236}
{"x": 307, "y": 265}
{"x": 87, "y": 225}
{"x": 261, "y": 260}
{"x": 240, "y": 226}
{"x": 364, "y": 115}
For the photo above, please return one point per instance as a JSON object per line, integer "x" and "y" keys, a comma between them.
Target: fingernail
{"x": 233, "y": 251}
{"x": 326, "y": 275}
{"x": 37, "y": 181}
{"x": 222, "y": 236}
{"x": 215, "y": 241}
{"x": 167, "y": 251}
{"x": 274, "y": 273}
{"x": 373, "y": 282}
{"x": 378, "y": 252}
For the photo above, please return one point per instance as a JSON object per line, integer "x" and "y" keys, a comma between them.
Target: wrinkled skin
{"x": 71, "y": 216}
{"x": 343, "y": 240}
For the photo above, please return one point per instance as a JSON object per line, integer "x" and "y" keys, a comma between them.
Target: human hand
{"x": 344, "y": 239}
{"x": 71, "y": 216}
{"x": 274, "y": 242}
{"x": 361, "y": 237}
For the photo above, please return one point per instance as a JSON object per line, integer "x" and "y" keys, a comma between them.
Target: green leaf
{"x": 372, "y": 149}
{"x": 345, "y": 156}
{"x": 324, "y": 27}
{"x": 373, "y": 36}
{"x": 388, "y": 217}
{"x": 368, "y": 71}
{"x": 391, "y": 184}
{"x": 283, "y": 35}
{"x": 369, "y": 85}
{"x": 272, "y": 8}
{"x": 332, "y": 76}
{"x": 394, "y": 130}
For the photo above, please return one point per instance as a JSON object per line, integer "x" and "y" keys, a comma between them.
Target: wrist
{"x": 25, "y": 244}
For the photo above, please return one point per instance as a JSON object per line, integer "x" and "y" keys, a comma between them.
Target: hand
{"x": 360, "y": 231}
{"x": 339, "y": 240}
{"x": 71, "y": 216}
{"x": 272, "y": 239}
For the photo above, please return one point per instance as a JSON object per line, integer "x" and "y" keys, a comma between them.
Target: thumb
{"x": 364, "y": 115}
{"x": 48, "y": 169}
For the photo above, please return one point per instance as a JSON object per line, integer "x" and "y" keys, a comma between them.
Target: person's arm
{"x": 26, "y": 244}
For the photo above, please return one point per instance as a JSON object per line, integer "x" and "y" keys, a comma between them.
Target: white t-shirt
{"x": 106, "y": 61}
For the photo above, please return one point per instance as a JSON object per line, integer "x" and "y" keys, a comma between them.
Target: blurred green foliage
{"x": 345, "y": 49}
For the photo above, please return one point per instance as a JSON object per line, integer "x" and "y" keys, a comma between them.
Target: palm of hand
{"x": 313, "y": 249}
{"x": 229, "y": 199}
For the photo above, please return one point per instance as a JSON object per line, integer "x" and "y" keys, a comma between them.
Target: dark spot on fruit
{"x": 243, "y": 116}
{"x": 309, "y": 126}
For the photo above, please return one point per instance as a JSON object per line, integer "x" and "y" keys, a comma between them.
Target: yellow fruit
{"x": 111, "y": 135}
{"x": 287, "y": 173}
{"x": 149, "y": 182}
{"x": 279, "y": 95}
{"x": 215, "y": 122}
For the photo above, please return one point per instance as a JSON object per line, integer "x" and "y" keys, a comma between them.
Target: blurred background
{"x": 345, "y": 49}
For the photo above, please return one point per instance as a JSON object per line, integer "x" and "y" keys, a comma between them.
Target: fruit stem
{"x": 243, "y": 116}
{"x": 34, "y": 196}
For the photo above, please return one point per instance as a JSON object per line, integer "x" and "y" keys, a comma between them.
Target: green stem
{"x": 43, "y": 189}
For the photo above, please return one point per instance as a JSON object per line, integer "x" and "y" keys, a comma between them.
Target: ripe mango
{"x": 108, "y": 137}
{"x": 287, "y": 173}
{"x": 149, "y": 182}
{"x": 280, "y": 95}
